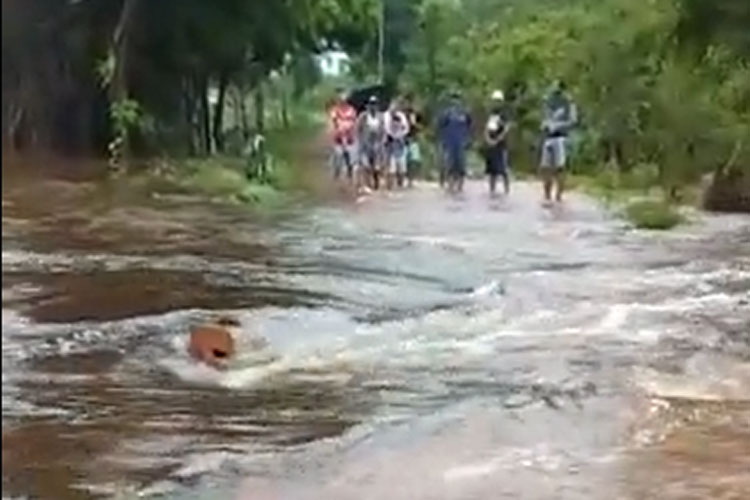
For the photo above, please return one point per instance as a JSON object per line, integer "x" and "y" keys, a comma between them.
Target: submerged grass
{"x": 224, "y": 177}
{"x": 653, "y": 214}
{"x": 637, "y": 194}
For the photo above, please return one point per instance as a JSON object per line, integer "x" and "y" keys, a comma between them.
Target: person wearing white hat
{"x": 496, "y": 143}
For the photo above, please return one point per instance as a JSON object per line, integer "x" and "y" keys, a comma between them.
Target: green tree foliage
{"x": 657, "y": 82}
{"x": 70, "y": 67}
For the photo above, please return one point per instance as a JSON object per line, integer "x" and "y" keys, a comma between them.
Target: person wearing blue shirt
{"x": 454, "y": 137}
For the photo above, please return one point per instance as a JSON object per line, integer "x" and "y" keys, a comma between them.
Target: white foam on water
{"x": 470, "y": 471}
{"x": 616, "y": 317}
{"x": 487, "y": 290}
{"x": 710, "y": 378}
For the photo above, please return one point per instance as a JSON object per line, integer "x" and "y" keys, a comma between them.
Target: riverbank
{"x": 230, "y": 178}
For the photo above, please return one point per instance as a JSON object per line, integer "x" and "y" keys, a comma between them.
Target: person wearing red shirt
{"x": 343, "y": 118}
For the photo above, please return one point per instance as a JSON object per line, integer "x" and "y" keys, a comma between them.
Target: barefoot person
{"x": 397, "y": 130}
{"x": 342, "y": 117}
{"x": 371, "y": 140}
{"x": 454, "y": 135}
{"x": 560, "y": 117}
{"x": 495, "y": 143}
{"x": 414, "y": 155}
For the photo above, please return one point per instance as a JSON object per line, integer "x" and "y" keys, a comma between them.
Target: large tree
{"x": 107, "y": 63}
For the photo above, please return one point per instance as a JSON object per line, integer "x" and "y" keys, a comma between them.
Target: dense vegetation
{"x": 663, "y": 86}
{"x": 81, "y": 75}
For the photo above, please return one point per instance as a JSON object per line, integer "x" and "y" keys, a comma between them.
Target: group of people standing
{"x": 375, "y": 147}
{"x": 374, "y": 144}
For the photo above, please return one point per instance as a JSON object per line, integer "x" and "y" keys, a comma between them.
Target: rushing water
{"x": 409, "y": 346}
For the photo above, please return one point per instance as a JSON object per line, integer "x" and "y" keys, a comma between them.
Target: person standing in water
{"x": 371, "y": 139}
{"x": 454, "y": 135}
{"x": 342, "y": 117}
{"x": 397, "y": 130}
{"x": 495, "y": 143}
{"x": 414, "y": 154}
{"x": 559, "y": 117}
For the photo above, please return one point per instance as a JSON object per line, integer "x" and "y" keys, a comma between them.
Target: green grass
{"x": 638, "y": 193}
{"x": 223, "y": 177}
{"x": 219, "y": 178}
{"x": 213, "y": 178}
{"x": 652, "y": 214}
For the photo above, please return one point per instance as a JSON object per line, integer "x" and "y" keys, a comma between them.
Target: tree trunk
{"x": 188, "y": 103}
{"x": 244, "y": 124}
{"x": 381, "y": 43}
{"x": 260, "y": 108}
{"x": 219, "y": 112}
{"x": 235, "y": 94}
{"x": 120, "y": 44}
{"x": 284, "y": 100}
{"x": 204, "y": 119}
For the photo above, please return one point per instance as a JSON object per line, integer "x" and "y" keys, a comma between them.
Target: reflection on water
{"x": 409, "y": 346}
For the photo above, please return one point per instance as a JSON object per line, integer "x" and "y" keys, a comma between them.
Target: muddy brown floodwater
{"x": 409, "y": 346}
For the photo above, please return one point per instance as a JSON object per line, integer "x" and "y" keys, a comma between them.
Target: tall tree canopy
{"x": 69, "y": 65}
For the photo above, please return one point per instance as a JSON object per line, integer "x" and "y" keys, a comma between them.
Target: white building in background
{"x": 334, "y": 63}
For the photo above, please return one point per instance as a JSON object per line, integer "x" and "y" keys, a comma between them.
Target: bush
{"x": 652, "y": 214}
{"x": 215, "y": 180}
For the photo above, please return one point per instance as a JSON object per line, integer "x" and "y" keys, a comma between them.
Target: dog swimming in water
{"x": 213, "y": 343}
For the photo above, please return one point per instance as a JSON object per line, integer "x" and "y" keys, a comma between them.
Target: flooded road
{"x": 410, "y": 346}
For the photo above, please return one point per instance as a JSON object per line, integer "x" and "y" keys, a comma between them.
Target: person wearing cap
{"x": 454, "y": 136}
{"x": 342, "y": 118}
{"x": 495, "y": 143}
{"x": 371, "y": 135}
{"x": 559, "y": 117}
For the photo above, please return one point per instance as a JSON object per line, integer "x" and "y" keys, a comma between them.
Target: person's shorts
{"x": 397, "y": 162}
{"x": 397, "y": 157}
{"x": 496, "y": 161}
{"x": 414, "y": 154}
{"x": 554, "y": 153}
{"x": 344, "y": 156}
{"x": 455, "y": 160}
{"x": 370, "y": 157}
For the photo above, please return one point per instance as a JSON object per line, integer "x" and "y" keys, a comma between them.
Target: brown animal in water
{"x": 213, "y": 343}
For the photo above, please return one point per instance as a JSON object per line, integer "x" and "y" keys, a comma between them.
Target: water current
{"x": 408, "y": 346}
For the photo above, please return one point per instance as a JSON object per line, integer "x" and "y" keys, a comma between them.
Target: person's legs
{"x": 404, "y": 167}
{"x": 560, "y": 162}
{"x": 400, "y": 172}
{"x": 368, "y": 158}
{"x": 349, "y": 159}
{"x": 390, "y": 170}
{"x": 560, "y": 175}
{"x": 461, "y": 167}
{"x": 546, "y": 168}
{"x": 497, "y": 166}
{"x": 336, "y": 161}
{"x": 413, "y": 163}
{"x": 443, "y": 165}
{"x": 455, "y": 174}
{"x": 506, "y": 172}
{"x": 379, "y": 165}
